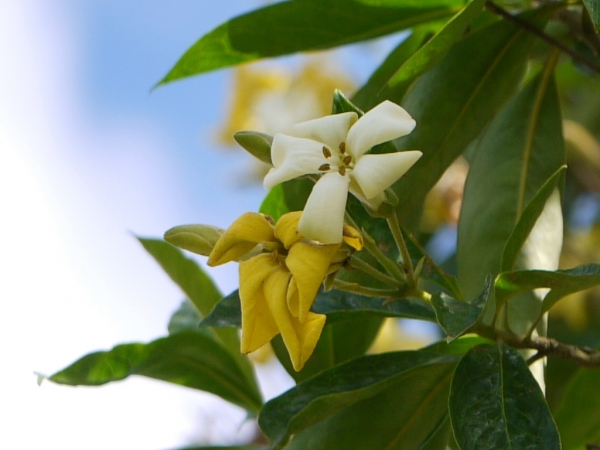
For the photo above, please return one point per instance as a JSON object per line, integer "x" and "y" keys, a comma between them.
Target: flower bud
{"x": 255, "y": 143}
{"x": 198, "y": 239}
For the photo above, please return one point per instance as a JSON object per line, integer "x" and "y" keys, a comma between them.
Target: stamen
{"x": 342, "y": 147}
{"x": 347, "y": 159}
{"x": 324, "y": 167}
{"x": 326, "y": 152}
{"x": 342, "y": 170}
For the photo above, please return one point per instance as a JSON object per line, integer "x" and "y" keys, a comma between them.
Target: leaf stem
{"x": 397, "y": 233}
{"x": 358, "y": 263}
{"x": 369, "y": 292}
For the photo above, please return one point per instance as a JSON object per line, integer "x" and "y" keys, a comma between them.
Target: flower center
{"x": 344, "y": 163}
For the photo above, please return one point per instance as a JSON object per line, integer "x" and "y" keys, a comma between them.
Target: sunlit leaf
{"x": 496, "y": 403}
{"x": 189, "y": 359}
{"x": 593, "y": 7}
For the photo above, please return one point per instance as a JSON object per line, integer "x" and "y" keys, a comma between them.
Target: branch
{"x": 582, "y": 356}
{"x": 539, "y": 33}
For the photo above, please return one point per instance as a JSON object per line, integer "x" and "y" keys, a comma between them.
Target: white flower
{"x": 335, "y": 146}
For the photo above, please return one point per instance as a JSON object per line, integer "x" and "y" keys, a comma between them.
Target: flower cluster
{"x": 280, "y": 274}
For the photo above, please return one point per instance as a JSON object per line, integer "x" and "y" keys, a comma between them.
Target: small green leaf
{"x": 256, "y": 143}
{"x": 560, "y": 282}
{"x": 577, "y": 417}
{"x": 593, "y": 7}
{"x": 496, "y": 403}
{"x": 405, "y": 394}
{"x": 436, "y": 48}
{"x": 290, "y": 27}
{"x": 528, "y": 218}
{"x": 199, "y": 239}
{"x": 285, "y": 197}
{"x": 458, "y": 317}
{"x": 186, "y": 318}
{"x": 188, "y": 359}
{"x": 227, "y": 313}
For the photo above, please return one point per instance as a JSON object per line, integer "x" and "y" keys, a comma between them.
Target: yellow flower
{"x": 279, "y": 279}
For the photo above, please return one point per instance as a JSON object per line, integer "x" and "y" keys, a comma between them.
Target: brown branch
{"x": 539, "y": 33}
{"x": 582, "y": 356}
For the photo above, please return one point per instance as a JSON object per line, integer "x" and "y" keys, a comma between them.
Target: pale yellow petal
{"x": 286, "y": 229}
{"x": 330, "y": 130}
{"x": 309, "y": 264}
{"x": 294, "y": 157}
{"x": 323, "y": 216}
{"x": 352, "y": 237}
{"x": 299, "y": 339}
{"x": 241, "y": 237}
{"x": 258, "y": 324}
{"x": 383, "y": 123}
{"x": 375, "y": 173}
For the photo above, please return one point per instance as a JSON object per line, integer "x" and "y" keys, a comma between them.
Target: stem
{"x": 397, "y": 233}
{"x": 390, "y": 266}
{"x": 369, "y": 292}
{"x": 367, "y": 268}
{"x": 539, "y": 33}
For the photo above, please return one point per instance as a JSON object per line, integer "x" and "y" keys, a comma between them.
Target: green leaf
{"x": 199, "y": 288}
{"x": 187, "y": 359}
{"x": 528, "y": 219}
{"x": 290, "y": 27}
{"x": 560, "y": 282}
{"x": 593, "y": 7}
{"x": 496, "y": 403}
{"x": 457, "y": 317}
{"x": 337, "y": 305}
{"x": 285, "y": 197}
{"x": 577, "y": 417}
{"x": 521, "y": 149}
{"x": 186, "y": 318}
{"x": 454, "y": 101}
{"x": 374, "y": 91}
{"x": 256, "y": 143}
{"x": 436, "y": 48}
{"x": 405, "y": 394}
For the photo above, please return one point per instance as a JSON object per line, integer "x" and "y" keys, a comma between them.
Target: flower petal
{"x": 376, "y": 173}
{"x": 323, "y": 216}
{"x": 383, "y": 123}
{"x": 293, "y": 157}
{"x": 286, "y": 229}
{"x": 352, "y": 237}
{"x": 258, "y": 324}
{"x": 330, "y": 130}
{"x": 309, "y": 264}
{"x": 299, "y": 339}
{"x": 241, "y": 237}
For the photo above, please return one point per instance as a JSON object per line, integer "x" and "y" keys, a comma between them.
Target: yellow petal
{"x": 309, "y": 264}
{"x": 352, "y": 237}
{"x": 258, "y": 324}
{"x": 249, "y": 230}
{"x": 286, "y": 229}
{"x": 299, "y": 339}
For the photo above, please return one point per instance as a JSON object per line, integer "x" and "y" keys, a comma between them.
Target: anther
{"x": 342, "y": 170}
{"x": 324, "y": 167}
{"x": 347, "y": 159}
{"x": 326, "y": 152}
{"x": 342, "y": 147}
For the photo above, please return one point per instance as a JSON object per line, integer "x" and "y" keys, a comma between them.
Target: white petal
{"x": 383, "y": 123}
{"x": 293, "y": 157}
{"x": 323, "y": 216}
{"x": 376, "y": 173}
{"x": 330, "y": 130}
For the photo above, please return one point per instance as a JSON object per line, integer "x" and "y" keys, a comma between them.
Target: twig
{"x": 582, "y": 356}
{"x": 539, "y": 33}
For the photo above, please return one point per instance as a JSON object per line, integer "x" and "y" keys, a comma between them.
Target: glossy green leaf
{"x": 436, "y": 48}
{"x": 187, "y": 358}
{"x": 454, "y": 101}
{"x": 290, "y": 27}
{"x": 577, "y": 417}
{"x": 285, "y": 197}
{"x": 521, "y": 149}
{"x": 199, "y": 288}
{"x": 593, "y": 7}
{"x": 561, "y": 283}
{"x": 404, "y": 392}
{"x": 528, "y": 219}
{"x": 335, "y": 304}
{"x": 457, "y": 317}
{"x": 496, "y": 403}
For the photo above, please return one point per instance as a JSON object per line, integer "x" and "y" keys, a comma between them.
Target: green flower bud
{"x": 255, "y": 143}
{"x": 198, "y": 239}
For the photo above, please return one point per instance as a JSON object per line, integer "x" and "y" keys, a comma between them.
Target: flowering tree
{"x": 338, "y": 243}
